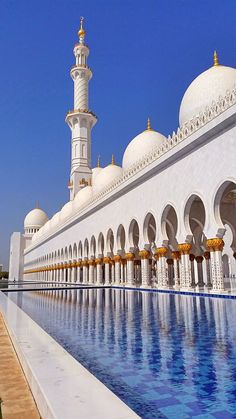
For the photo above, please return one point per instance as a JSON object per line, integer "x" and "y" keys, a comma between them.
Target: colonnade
{"x": 144, "y": 268}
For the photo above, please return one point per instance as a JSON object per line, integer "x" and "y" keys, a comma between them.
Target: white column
{"x": 206, "y": 270}
{"x": 130, "y": 269}
{"x": 117, "y": 259}
{"x": 145, "y": 269}
{"x": 99, "y": 271}
{"x": 185, "y": 267}
{"x": 161, "y": 267}
{"x": 91, "y": 271}
{"x": 215, "y": 246}
{"x": 106, "y": 260}
{"x": 176, "y": 257}
{"x": 112, "y": 272}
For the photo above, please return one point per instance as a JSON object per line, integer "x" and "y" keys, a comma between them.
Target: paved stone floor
{"x": 15, "y": 394}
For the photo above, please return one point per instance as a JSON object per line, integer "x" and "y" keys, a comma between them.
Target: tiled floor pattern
{"x": 16, "y": 397}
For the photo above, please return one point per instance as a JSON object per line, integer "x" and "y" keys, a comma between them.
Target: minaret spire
{"x": 81, "y": 32}
{"x": 80, "y": 120}
{"x": 216, "y": 62}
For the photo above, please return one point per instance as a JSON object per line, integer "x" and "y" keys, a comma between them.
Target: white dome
{"x": 35, "y": 218}
{"x": 205, "y": 89}
{"x": 83, "y": 196}
{"x": 66, "y": 211}
{"x": 95, "y": 172}
{"x": 142, "y": 144}
{"x": 106, "y": 176}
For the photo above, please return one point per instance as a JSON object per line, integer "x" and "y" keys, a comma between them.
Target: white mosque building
{"x": 166, "y": 218}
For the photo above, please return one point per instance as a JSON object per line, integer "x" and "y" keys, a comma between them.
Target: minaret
{"x": 81, "y": 120}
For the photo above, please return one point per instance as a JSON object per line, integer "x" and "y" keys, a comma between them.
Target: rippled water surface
{"x": 166, "y": 356}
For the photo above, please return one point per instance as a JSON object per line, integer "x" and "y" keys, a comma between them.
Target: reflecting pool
{"x": 165, "y": 355}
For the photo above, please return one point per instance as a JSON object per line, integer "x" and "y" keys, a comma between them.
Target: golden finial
{"x": 216, "y": 62}
{"x": 148, "y": 124}
{"x": 81, "y": 32}
{"x": 99, "y": 162}
{"x": 112, "y": 159}
{"x": 37, "y": 205}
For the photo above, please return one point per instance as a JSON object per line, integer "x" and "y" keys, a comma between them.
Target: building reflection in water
{"x": 131, "y": 337}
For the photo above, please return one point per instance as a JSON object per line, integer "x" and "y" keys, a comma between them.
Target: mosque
{"x": 165, "y": 219}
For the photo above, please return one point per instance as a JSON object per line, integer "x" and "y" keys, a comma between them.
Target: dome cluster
{"x": 205, "y": 89}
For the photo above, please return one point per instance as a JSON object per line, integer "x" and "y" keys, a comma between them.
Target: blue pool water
{"x": 166, "y": 356}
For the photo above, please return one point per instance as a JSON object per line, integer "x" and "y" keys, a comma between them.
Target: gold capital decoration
{"x": 161, "y": 251}
{"x": 169, "y": 261}
{"x": 215, "y": 244}
{"x": 78, "y": 264}
{"x": 91, "y": 262}
{"x": 117, "y": 258}
{"x": 191, "y": 257}
{"x": 129, "y": 256}
{"x": 84, "y": 263}
{"x": 175, "y": 255}
{"x": 207, "y": 255}
{"x": 184, "y": 248}
{"x": 98, "y": 261}
{"x": 144, "y": 254}
{"x": 106, "y": 259}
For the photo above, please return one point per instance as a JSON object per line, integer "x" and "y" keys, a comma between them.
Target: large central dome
{"x": 205, "y": 89}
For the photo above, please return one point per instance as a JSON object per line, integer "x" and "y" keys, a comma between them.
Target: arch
{"x": 169, "y": 226}
{"x": 74, "y": 251}
{"x": 194, "y": 220}
{"x": 70, "y": 253}
{"x": 134, "y": 234}
{"x": 223, "y": 191}
{"x": 86, "y": 248}
{"x": 149, "y": 229}
{"x": 80, "y": 250}
{"x": 92, "y": 246}
{"x": 66, "y": 254}
{"x": 100, "y": 244}
{"x": 120, "y": 238}
{"x": 110, "y": 241}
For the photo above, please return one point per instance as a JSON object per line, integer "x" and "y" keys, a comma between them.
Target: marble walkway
{"x": 16, "y": 398}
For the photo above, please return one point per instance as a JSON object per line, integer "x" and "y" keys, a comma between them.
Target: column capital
{"x": 191, "y": 257}
{"x": 169, "y": 261}
{"x": 117, "y": 258}
{"x": 144, "y": 254}
{"x": 84, "y": 262}
{"x": 199, "y": 259}
{"x": 91, "y": 262}
{"x": 175, "y": 255}
{"x": 106, "y": 259}
{"x": 161, "y": 251}
{"x": 207, "y": 255}
{"x": 215, "y": 244}
{"x": 184, "y": 248}
{"x": 98, "y": 261}
{"x": 129, "y": 256}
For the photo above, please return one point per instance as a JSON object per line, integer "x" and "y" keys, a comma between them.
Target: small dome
{"x": 66, "y": 211}
{"x": 95, "y": 172}
{"x": 205, "y": 89}
{"x": 106, "y": 176}
{"x": 83, "y": 196}
{"x": 35, "y": 219}
{"x": 141, "y": 145}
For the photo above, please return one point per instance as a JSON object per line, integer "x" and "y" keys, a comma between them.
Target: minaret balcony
{"x": 74, "y": 116}
{"x": 81, "y": 70}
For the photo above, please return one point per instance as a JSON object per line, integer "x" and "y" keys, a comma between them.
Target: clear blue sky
{"x": 143, "y": 53}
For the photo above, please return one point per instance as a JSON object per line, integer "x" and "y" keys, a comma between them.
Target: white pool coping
{"x": 61, "y": 386}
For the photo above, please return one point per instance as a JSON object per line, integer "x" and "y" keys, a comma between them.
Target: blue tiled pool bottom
{"x": 166, "y": 356}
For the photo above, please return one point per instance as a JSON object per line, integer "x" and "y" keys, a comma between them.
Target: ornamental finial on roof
{"x": 112, "y": 159}
{"x": 148, "y": 124}
{"x": 81, "y": 32}
{"x": 216, "y": 62}
{"x": 99, "y": 162}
